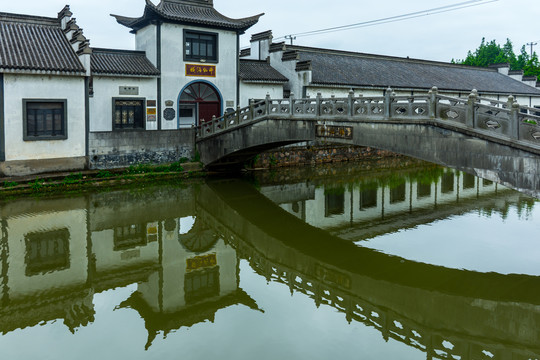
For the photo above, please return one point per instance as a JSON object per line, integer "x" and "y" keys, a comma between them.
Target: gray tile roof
{"x": 259, "y": 71}
{"x": 193, "y": 12}
{"x": 356, "y": 69}
{"x": 121, "y": 62}
{"x": 35, "y": 43}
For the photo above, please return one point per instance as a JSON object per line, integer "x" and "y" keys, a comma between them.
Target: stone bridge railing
{"x": 507, "y": 120}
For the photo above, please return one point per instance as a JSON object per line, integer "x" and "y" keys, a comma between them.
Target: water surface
{"x": 371, "y": 262}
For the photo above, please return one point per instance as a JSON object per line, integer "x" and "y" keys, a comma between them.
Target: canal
{"x": 393, "y": 259}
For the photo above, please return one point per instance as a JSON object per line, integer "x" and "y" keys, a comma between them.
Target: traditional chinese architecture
{"x": 65, "y": 105}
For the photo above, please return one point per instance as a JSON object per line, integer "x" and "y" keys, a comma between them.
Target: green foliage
{"x": 36, "y": 185}
{"x": 197, "y": 156}
{"x": 489, "y": 53}
{"x": 104, "y": 174}
{"x": 151, "y": 169}
{"x": 73, "y": 178}
{"x": 10, "y": 184}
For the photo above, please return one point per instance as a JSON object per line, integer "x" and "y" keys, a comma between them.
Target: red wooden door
{"x": 207, "y": 110}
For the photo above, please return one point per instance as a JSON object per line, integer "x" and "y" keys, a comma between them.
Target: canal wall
{"x": 318, "y": 154}
{"x": 116, "y": 149}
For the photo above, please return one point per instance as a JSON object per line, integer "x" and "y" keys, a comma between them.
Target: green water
{"x": 363, "y": 262}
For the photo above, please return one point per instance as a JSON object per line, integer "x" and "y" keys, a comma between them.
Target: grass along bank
{"x": 98, "y": 179}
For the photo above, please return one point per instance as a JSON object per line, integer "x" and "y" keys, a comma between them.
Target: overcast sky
{"x": 440, "y": 36}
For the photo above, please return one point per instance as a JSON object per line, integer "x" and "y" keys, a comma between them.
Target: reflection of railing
{"x": 507, "y": 119}
{"x": 370, "y": 301}
{"x": 331, "y": 287}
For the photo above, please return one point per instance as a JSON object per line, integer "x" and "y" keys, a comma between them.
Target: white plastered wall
{"x": 258, "y": 91}
{"x": 106, "y": 88}
{"x": 21, "y": 86}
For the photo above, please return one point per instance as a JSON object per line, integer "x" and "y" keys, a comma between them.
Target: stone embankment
{"x": 321, "y": 154}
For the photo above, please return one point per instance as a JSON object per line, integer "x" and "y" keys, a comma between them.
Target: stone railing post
{"x": 291, "y": 104}
{"x": 433, "y": 102}
{"x": 251, "y": 109}
{"x": 238, "y": 115}
{"x": 350, "y": 102}
{"x": 513, "y": 118}
{"x": 471, "y": 113}
{"x": 267, "y": 102}
{"x": 388, "y": 103}
{"x": 318, "y": 104}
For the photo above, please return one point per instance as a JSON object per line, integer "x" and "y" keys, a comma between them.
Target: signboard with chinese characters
{"x": 340, "y": 132}
{"x": 200, "y": 262}
{"x": 200, "y": 70}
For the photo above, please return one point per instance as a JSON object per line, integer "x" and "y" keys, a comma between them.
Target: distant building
{"x": 333, "y": 72}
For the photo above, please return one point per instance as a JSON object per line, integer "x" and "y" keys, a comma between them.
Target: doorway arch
{"x": 197, "y": 103}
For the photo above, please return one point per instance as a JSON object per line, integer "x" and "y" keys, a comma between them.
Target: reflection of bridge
{"x": 443, "y": 312}
{"x": 486, "y": 137}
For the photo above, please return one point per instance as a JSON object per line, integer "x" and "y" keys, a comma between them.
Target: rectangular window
{"x": 200, "y": 46}
{"x": 128, "y": 114}
{"x": 44, "y": 119}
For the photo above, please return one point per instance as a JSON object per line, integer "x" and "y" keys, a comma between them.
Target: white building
{"x": 42, "y": 95}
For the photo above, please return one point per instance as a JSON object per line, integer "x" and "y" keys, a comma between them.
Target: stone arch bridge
{"x": 489, "y": 138}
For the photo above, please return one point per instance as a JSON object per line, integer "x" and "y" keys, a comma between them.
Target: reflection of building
{"x": 45, "y": 264}
{"x": 57, "y": 254}
{"x": 397, "y": 203}
{"x": 191, "y": 285}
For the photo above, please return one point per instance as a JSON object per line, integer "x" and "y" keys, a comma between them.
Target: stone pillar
{"x": 251, "y": 109}
{"x": 351, "y": 102}
{"x": 267, "y": 102}
{"x": 318, "y": 104}
{"x": 291, "y": 104}
{"x": 433, "y": 102}
{"x": 388, "y": 103}
{"x": 471, "y": 102}
{"x": 513, "y": 118}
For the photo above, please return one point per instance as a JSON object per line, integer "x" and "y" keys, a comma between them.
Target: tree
{"x": 489, "y": 53}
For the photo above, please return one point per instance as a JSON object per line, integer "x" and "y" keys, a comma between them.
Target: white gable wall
{"x": 18, "y": 87}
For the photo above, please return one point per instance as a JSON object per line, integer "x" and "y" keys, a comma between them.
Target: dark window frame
{"x": 56, "y": 256}
{"x": 143, "y": 114}
{"x": 198, "y": 58}
{"x": 60, "y": 136}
